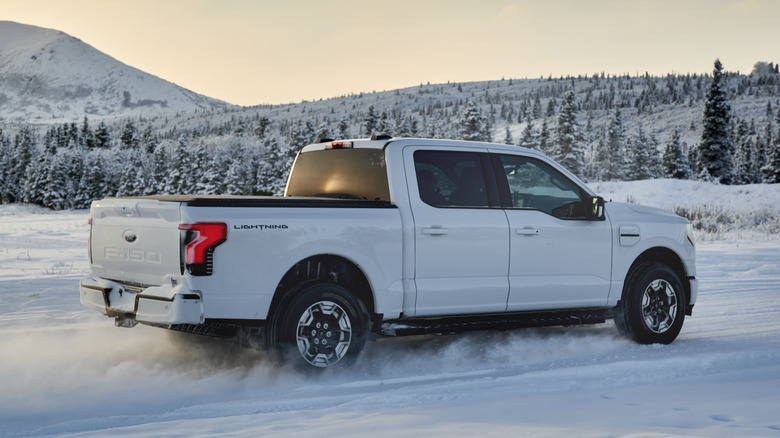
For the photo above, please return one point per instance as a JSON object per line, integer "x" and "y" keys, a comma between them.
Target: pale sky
{"x": 250, "y": 52}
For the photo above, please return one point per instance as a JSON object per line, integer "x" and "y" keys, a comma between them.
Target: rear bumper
{"x": 164, "y": 305}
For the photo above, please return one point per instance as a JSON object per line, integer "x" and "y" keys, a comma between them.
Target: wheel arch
{"x": 329, "y": 268}
{"x": 660, "y": 255}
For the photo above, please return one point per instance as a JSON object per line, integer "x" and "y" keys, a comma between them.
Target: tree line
{"x": 71, "y": 164}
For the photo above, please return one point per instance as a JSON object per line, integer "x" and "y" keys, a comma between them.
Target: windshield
{"x": 340, "y": 173}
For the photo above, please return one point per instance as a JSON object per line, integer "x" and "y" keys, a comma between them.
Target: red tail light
{"x": 199, "y": 244}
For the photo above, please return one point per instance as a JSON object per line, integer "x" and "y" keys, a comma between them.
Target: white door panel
{"x": 461, "y": 252}
{"x": 562, "y": 264}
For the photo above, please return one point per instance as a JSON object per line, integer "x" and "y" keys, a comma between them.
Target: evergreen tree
{"x": 642, "y": 157}
{"x": 268, "y": 176}
{"x": 200, "y": 161}
{"x": 128, "y": 183}
{"x": 536, "y": 110}
{"x": 102, "y": 136}
{"x": 179, "y": 180}
{"x": 384, "y": 124}
{"x": 472, "y": 125}
{"x": 675, "y": 161}
{"x": 544, "y": 138}
{"x": 129, "y": 138}
{"x": 771, "y": 170}
{"x": 35, "y": 176}
{"x": 508, "y": 137}
{"x": 156, "y": 184}
{"x": 262, "y": 126}
{"x": 6, "y": 165}
{"x": 716, "y": 147}
{"x": 370, "y": 122}
{"x": 87, "y": 135}
{"x": 529, "y": 139}
{"x": 567, "y": 148}
{"x": 21, "y": 157}
{"x": 343, "y": 129}
{"x": 215, "y": 174}
{"x": 745, "y": 170}
{"x": 56, "y": 192}
{"x": 149, "y": 141}
{"x": 612, "y": 158}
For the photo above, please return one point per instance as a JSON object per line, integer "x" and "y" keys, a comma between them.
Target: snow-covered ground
{"x": 67, "y": 371}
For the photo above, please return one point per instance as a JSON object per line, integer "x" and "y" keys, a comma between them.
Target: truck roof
{"x": 382, "y": 142}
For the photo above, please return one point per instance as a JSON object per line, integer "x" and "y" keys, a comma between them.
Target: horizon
{"x": 328, "y": 50}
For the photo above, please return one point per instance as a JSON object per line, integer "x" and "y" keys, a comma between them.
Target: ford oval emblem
{"x": 130, "y": 236}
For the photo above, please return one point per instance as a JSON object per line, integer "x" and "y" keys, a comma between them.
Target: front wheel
{"x": 322, "y": 327}
{"x": 653, "y": 306}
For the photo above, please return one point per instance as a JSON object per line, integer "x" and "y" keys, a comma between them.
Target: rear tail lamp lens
{"x": 199, "y": 243}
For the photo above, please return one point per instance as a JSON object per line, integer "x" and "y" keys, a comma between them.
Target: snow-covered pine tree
{"x": 88, "y": 137}
{"x": 771, "y": 171}
{"x": 6, "y": 165}
{"x": 266, "y": 180}
{"x": 508, "y": 137}
{"x": 233, "y": 179}
{"x": 343, "y": 128}
{"x": 158, "y": 168}
{"x": 544, "y": 138}
{"x": 612, "y": 160}
{"x": 129, "y": 138}
{"x": 471, "y": 126}
{"x": 35, "y": 176}
{"x": 262, "y": 126}
{"x": 149, "y": 141}
{"x": 214, "y": 176}
{"x": 529, "y": 139}
{"x": 642, "y": 157}
{"x": 384, "y": 124}
{"x": 370, "y": 122}
{"x": 128, "y": 183}
{"x": 675, "y": 160}
{"x": 716, "y": 147}
{"x": 21, "y": 154}
{"x": 567, "y": 146}
{"x": 179, "y": 179}
{"x": 102, "y": 136}
{"x": 200, "y": 162}
{"x": 745, "y": 171}
{"x": 57, "y": 190}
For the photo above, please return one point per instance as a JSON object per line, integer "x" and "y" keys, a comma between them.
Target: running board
{"x": 502, "y": 321}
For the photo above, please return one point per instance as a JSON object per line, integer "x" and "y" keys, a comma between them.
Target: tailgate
{"x": 135, "y": 240}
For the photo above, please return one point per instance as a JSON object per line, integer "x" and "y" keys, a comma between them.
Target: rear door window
{"x": 450, "y": 179}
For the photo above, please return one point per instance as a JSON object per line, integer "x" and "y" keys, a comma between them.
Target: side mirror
{"x": 594, "y": 208}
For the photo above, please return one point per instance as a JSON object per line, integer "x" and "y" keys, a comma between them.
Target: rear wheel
{"x": 653, "y": 306}
{"x": 322, "y": 327}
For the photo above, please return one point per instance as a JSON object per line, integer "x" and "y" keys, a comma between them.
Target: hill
{"x": 49, "y": 76}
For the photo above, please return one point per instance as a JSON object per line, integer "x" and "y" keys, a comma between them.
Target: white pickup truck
{"x": 391, "y": 237}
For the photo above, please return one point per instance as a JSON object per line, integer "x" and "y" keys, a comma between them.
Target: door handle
{"x": 527, "y": 231}
{"x": 435, "y": 231}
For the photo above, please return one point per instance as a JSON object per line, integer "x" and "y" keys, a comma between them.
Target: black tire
{"x": 323, "y": 326}
{"x": 652, "y": 309}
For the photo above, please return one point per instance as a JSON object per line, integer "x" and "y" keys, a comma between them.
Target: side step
{"x": 502, "y": 321}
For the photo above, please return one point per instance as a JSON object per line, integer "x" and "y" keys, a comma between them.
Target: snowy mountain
{"x": 47, "y": 75}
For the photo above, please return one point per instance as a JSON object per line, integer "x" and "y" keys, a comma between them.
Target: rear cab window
{"x": 359, "y": 173}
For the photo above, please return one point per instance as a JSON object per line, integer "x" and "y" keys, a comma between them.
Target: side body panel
{"x": 264, "y": 243}
{"x": 637, "y": 229}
